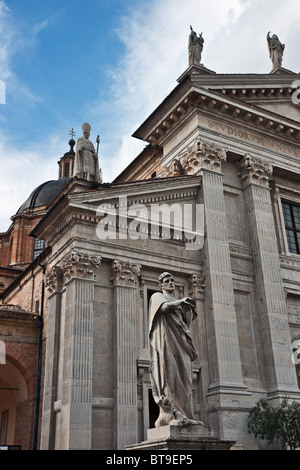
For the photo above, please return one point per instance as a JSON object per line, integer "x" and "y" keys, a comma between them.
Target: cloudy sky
{"x": 110, "y": 63}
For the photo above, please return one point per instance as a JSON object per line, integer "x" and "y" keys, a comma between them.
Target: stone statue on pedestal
{"x": 275, "y": 49}
{"x": 86, "y": 164}
{"x": 171, "y": 354}
{"x": 195, "y": 47}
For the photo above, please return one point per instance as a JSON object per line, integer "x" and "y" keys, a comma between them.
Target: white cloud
{"x": 242, "y": 48}
{"x": 24, "y": 171}
{"x": 156, "y": 54}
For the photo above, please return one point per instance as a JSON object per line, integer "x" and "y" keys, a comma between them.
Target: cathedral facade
{"x": 214, "y": 199}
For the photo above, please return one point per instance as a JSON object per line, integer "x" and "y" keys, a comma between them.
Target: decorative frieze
{"x": 288, "y": 261}
{"x": 125, "y": 273}
{"x": 197, "y": 156}
{"x": 241, "y": 251}
{"x": 254, "y": 170}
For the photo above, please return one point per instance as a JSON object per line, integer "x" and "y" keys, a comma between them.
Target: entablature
{"x": 216, "y": 104}
{"x": 82, "y": 208}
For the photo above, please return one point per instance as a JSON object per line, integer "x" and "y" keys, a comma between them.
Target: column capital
{"x": 196, "y": 285}
{"x": 125, "y": 273}
{"x": 74, "y": 264}
{"x": 53, "y": 279}
{"x": 254, "y": 170}
{"x": 197, "y": 156}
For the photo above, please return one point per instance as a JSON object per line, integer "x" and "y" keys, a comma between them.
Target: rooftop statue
{"x": 195, "y": 47}
{"x": 275, "y": 49}
{"x": 86, "y": 164}
{"x": 171, "y": 354}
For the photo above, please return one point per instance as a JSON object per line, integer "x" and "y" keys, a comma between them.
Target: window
{"x": 67, "y": 169}
{"x": 291, "y": 214}
{"x": 39, "y": 246}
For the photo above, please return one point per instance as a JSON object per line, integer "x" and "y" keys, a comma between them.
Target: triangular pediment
{"x": 281, "y": 71}
{"x": 284, "y": 108}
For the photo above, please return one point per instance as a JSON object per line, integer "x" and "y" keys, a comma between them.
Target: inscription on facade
{"x": 253, "y": 138}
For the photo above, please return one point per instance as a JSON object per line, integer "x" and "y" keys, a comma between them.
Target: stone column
{"x": 79, "y": 272}
{"x": 125, "y": 280}
{"x": 278, "y": 372}
{"x": 222, "y": 335}
{"x": 75, "y": 354}
{"x": 53, "y": 284}
{"x": 196, "y": 284}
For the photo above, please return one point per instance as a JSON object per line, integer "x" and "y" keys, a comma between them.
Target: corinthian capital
{"x": 196, "y": 285}
{"x": 82, "y": 265}
{"x": 125, "y": 273}
{"x": 254, "y": 170}
{"x": 53, "y": 279}
{"x": 197, "y": 156}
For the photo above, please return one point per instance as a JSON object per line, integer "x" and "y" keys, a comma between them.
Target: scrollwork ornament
{"x": 196, "y": 285}
{"x": 125, "y": 273}
{"x": 195, "y": 157}
{"x": 254, "y": 170}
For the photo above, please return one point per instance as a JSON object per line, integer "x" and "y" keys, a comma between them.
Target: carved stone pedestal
{"x": 181, "y": 437}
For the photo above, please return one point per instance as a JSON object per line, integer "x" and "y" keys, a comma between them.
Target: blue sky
{"x": 110, "y": 63}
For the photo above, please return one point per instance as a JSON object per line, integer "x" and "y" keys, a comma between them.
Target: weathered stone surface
{"x": 182, "y": 437}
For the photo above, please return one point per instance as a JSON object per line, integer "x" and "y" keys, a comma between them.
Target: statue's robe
{"x": 171, "y": 354}
{"x": 86, "y": 164}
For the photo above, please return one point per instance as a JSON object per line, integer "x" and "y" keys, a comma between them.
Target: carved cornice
{"x": 12, "y": 307}
{"x": 125, "y": 273}
{"x": 74, "y": 264}
{"x": 237, "y": 250}
{"x": 254, "y": 170}
{"x": 196, "y": 285}
{"x": 197, "y": 156}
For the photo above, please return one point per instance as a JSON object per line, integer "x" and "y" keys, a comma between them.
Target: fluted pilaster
{"x": 125, "y": 281}
{"x": 71, "y": 393}
{"x": 221, "y": 317}
{"x": 279, "y": 371}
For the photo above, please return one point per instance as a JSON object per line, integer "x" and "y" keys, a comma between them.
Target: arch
{"x": 13, "y": 393}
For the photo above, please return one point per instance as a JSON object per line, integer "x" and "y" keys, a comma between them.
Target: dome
{"x": 44, "y": 194}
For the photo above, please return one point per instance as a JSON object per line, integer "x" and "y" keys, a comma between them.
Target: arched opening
{"x": 13, "y": 396}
